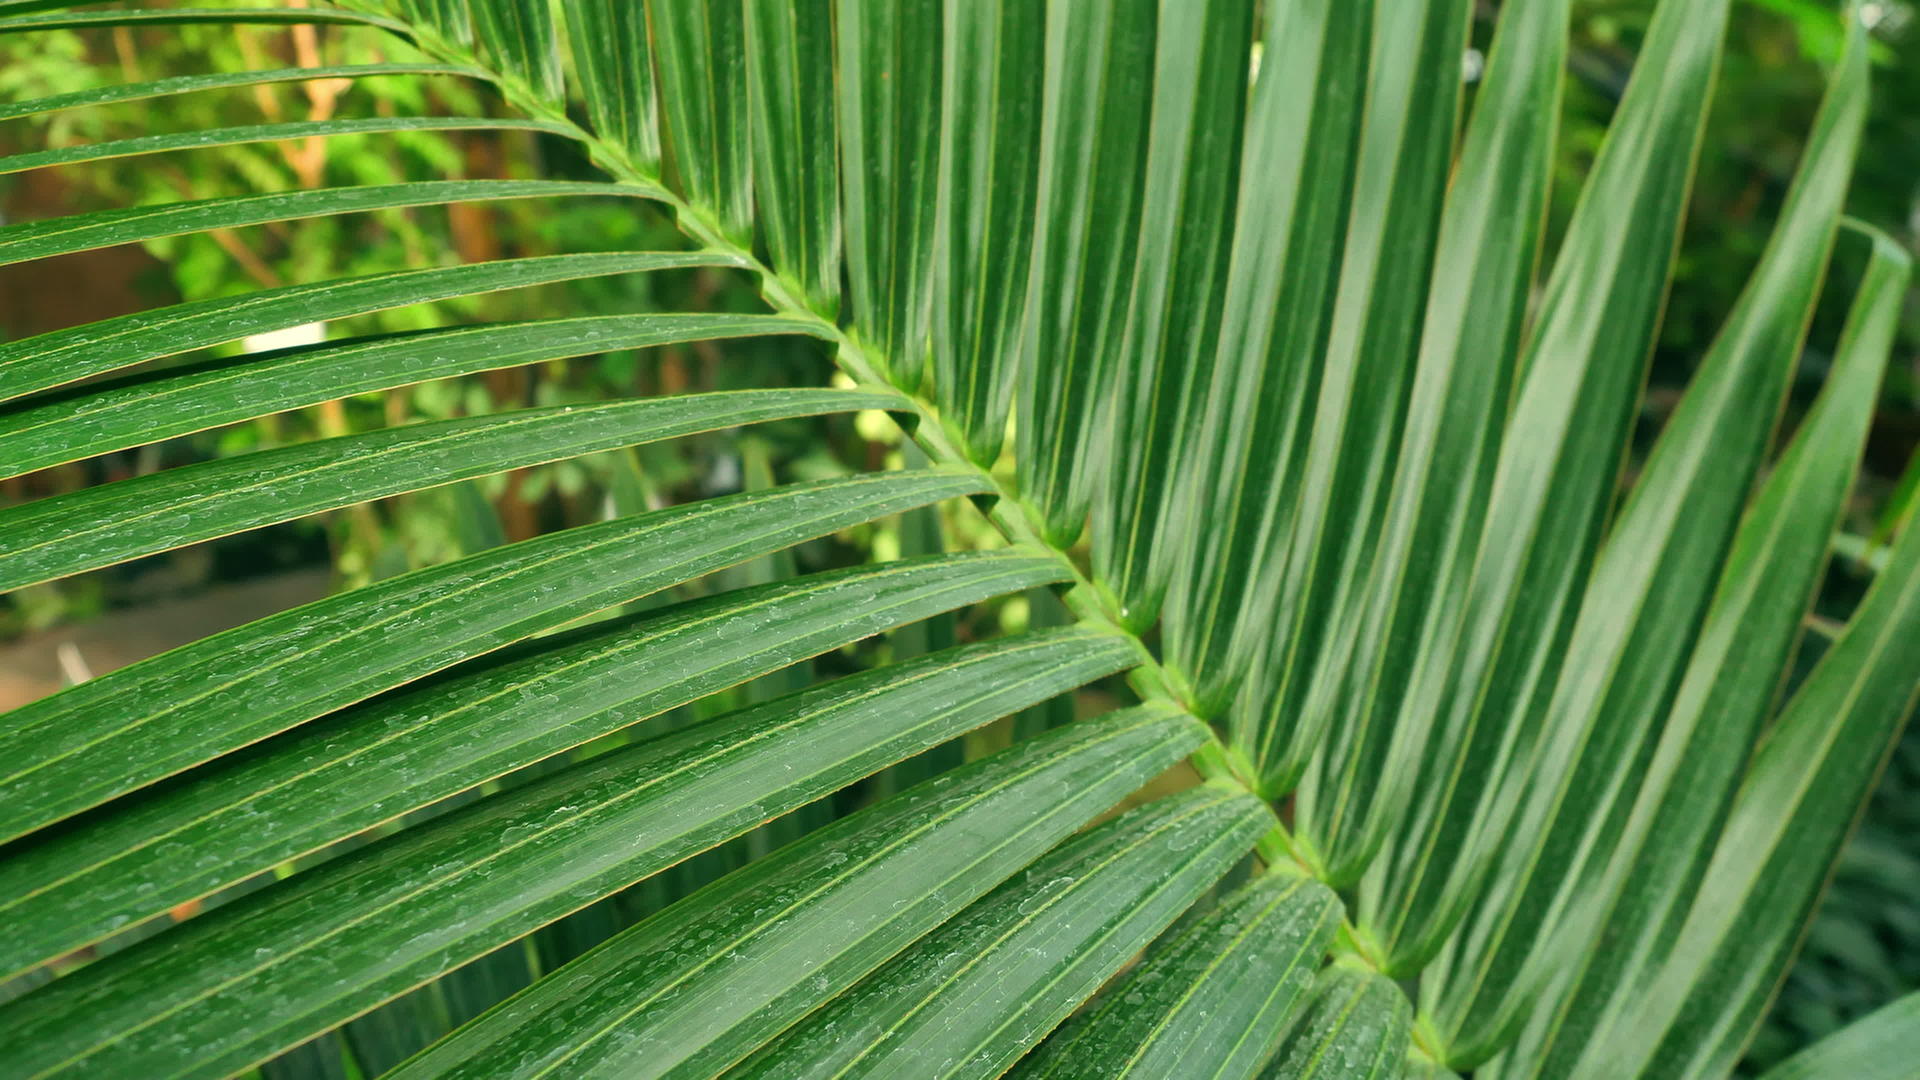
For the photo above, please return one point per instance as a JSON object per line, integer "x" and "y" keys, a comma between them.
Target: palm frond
{"x": 1389, "y": 688}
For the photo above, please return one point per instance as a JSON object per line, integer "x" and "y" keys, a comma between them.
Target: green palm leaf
{"x": 61, "y": 356}
{"x": 1731, "y": 681}
{"x": 1212, "y": 1001}
{"x": 187, "y": 16}
{"x": 760, "y": 948}
{"x": 188, "y": 84}
{"x": 415, "y": 902}
{"x": 1092, "y": 164}
{"x": 1355, "y": 1025}
{"x": 144, "y": 410}
{"x": 368, "y": 764}
{"x": 1407, "y": 752}
{"x": 971, "y": 997}
{"x": 1882, "y": 1045}
{"x": 1504, "y": 641}
{"x": 115, "y": 522}
{"x": 143, "y": 722}
{"x": 64, "y": 236}
{"x": 1456, "y": 410}
{"x": 158, "y": 144}
{"x": 1649, "y": 587}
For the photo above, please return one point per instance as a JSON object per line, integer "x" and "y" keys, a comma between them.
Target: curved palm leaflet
{"x": 1491, "y": 774}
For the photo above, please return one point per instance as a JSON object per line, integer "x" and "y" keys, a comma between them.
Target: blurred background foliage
{"x": 1863, "y": 950}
